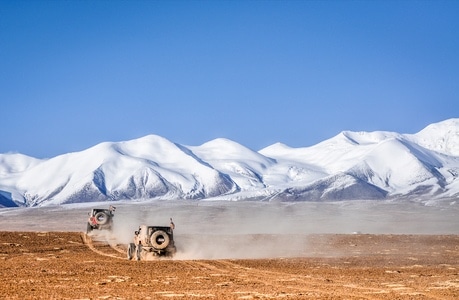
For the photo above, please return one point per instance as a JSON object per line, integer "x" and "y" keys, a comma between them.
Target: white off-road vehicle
{"x": 151, "y": 242}
{"x": 100, "y": 219}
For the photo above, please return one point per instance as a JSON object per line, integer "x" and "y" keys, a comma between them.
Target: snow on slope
{"x": 442, "y": 137}
{"x": 351, "y": 165}
{"x": 243, "y": 165}
{"x": 148, "y": 167}
{"x": 16, "y": 162}
{"x": 377, "y": 164}
{"x": 395, "y": 166}
{"x": 12, "y": 166}
{"x": 178, "y": 166}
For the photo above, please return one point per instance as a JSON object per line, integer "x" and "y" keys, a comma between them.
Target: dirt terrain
{"x": 70, "y": 265}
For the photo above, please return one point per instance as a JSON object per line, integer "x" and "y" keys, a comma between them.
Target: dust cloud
{"x": 243, "y": 229}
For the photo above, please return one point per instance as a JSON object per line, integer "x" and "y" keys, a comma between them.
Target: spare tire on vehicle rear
{"x": 160, "y": 239}
{"x": 102, "y": 218}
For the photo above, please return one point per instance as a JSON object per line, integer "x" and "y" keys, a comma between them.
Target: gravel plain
{"x": 71, "y": 265}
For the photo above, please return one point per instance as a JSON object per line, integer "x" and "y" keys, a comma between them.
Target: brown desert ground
{"x": 69, "y": 265}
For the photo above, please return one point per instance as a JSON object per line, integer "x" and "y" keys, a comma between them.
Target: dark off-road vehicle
{"x": 100, "y": 219}
{"x": 151, "y": 242}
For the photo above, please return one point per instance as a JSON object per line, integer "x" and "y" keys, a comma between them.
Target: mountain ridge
{"x": 348, "y": 166}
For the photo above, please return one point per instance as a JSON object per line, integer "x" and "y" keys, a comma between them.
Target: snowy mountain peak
{"x": 223, "y": 144}
{"x": 16, "y": 162}
{"x": 442, "y": 137}
{"x": 225, "y": 149}
{"x": 275, "y": 148}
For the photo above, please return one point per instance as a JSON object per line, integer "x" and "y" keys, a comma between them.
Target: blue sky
{"x": 77, "y": 73}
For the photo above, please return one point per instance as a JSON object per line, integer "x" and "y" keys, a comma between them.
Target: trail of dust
{"x": 88, "y": 242}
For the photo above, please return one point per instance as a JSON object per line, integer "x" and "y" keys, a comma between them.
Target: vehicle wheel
{"x": 170, "y": 252}
{"x": 88, "y": 228}
{"x": 130, "y": 251}
{"x": 138, "y": 252}
{"x": 101, "y": 218}
{"x": 159, "y": 239}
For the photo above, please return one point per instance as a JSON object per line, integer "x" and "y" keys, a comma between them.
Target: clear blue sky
{"x": 77, "y": 73}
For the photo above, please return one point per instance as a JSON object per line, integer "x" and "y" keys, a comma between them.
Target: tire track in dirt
{"x": 118, "y": 248}
{"x": 89, "y": 242}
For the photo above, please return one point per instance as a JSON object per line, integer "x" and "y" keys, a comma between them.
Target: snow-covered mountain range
{"x": 351, "y": 165}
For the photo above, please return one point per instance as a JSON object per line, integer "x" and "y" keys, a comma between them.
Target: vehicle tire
{"x": 138, "y": 252}
{"x": 159, "y": 239}
{"x": 130, "y": 251}
{"x": 102, "y": 218}
{"x": 88, "y": 228}
{"x": 170, "y": 251}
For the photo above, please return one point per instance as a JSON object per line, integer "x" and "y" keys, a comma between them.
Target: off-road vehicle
{"x": 100, "y": 219}
{"x": 151, "y": 242}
